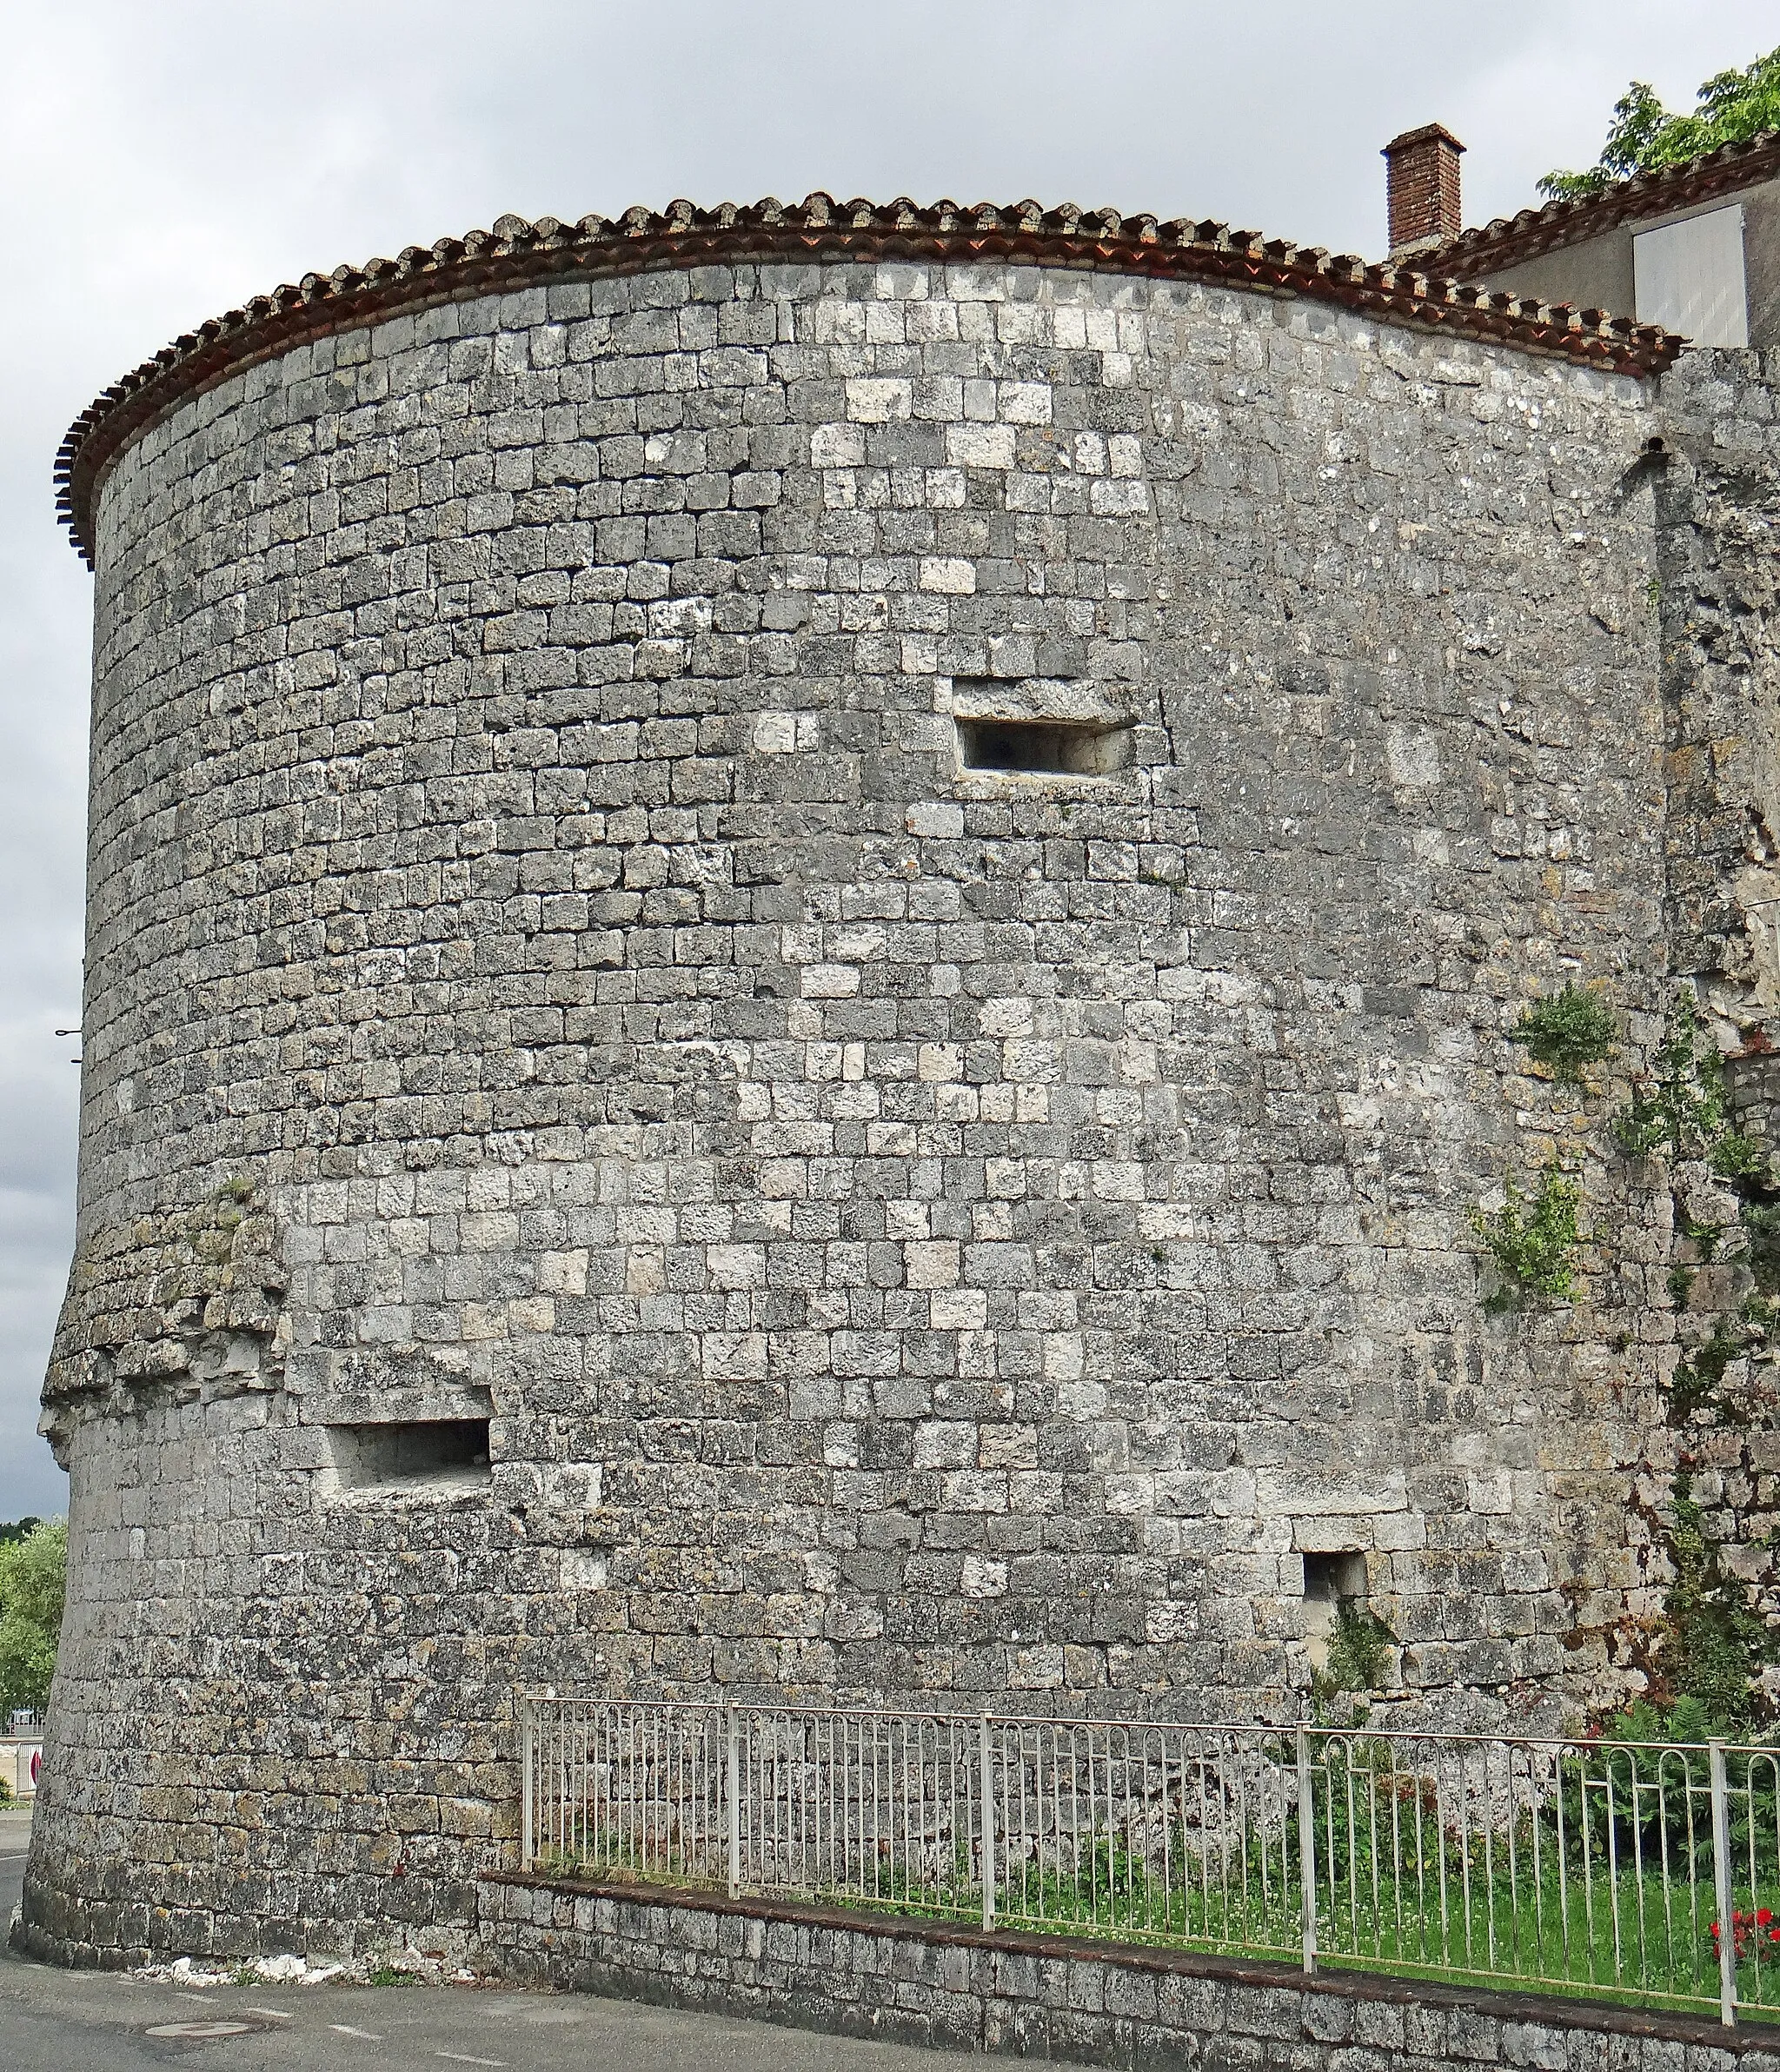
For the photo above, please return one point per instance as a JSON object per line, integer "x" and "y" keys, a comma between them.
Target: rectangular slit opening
{"x": 1331, "y": 1580}
{"x": 1335, "y": 1578}
{"x": 443, "y": 1452}
{"x": 1054, "y": 747}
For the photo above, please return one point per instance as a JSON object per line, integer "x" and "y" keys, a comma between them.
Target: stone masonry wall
{"x": 1717, "y": 488}
{"x": 1044, "y": 1997}
{"x": 912, "y": 1229}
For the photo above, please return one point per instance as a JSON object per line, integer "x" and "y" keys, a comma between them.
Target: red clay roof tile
{"x": 1510, "y": 240}
{"x": 516, "y": 254}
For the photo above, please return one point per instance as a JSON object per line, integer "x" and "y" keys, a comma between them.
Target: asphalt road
{"x": 102, "y": 2022}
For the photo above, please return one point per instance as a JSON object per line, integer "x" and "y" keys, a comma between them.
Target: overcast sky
{"x": 163, "y": 162}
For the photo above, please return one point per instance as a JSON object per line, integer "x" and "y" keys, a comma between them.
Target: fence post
{"x": 1720, "y": 1886}
{"x": 987, "y": 1763}
{"x": 733, "y": 1766}
{"x": 528, "y": 1764}
{"x": 1307, "y": 1850}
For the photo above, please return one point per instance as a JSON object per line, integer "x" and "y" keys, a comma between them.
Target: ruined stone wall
{"x": 911, "y": 1229}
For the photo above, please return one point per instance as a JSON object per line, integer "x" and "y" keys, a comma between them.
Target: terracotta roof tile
{"x": 1512, "y": 240}
{"x": 515, "y": 254}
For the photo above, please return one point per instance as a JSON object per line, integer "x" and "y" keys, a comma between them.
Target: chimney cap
{"x": 1426, "y": 134}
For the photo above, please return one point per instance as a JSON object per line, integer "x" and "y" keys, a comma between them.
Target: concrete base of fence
{"x": 1023, "y": 1995}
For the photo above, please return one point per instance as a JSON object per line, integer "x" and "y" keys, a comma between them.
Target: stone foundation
{"x": 1019, "y": 1996}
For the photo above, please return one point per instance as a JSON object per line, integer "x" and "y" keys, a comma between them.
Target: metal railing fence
{"x": 1642, "y": 1869}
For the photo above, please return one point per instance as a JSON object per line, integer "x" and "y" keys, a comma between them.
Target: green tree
{"x": 33, "y": 1584}
{"x": 1733, "y": 106}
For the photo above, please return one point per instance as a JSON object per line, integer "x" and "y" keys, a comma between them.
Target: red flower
{"x": 1758, "y": 1925}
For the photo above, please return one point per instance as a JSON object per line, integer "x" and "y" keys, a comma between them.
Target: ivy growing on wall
{"x": 1680, "y": 1107}
{"x": 1714, "y": 1645}
{"x": 1717, "y": 1643}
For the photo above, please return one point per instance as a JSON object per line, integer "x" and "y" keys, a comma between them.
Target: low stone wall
{"x": 1024, "y": 1995}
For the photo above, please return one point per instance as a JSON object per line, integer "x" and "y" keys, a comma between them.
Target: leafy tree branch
{"x": 1732, "y": 107}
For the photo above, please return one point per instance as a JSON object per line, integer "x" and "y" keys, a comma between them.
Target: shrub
{"x": 1533, "y": 1245}
{"x": 1568, "y": 1032}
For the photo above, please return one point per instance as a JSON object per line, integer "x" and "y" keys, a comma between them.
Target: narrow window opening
{"x": 1068, "y": 747}
{"x": 445, "y": 1451}
{"x": 1333, "y": 1579}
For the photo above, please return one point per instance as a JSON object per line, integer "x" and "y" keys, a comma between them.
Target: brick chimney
{"x": 1422, "y": 178}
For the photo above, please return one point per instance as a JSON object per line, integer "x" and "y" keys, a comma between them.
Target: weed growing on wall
{"x": 1717, "y": 1644}
{"x": 1359, "y": 1655}
{"x": 1360, "y": 1648}
{"x": 1681, "y": 1112}
{"x": 1567, "y": 1032}
{"x": 1680, "y": 1108}
{"x": 1699, "y": 1375}
{"x": 1761, "y": 1223}
{"x": 1533, "y": 1242}
{"x": 1713, "y": 1644}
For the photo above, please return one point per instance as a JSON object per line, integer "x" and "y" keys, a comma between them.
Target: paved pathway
{"x": 99, "y": 2021}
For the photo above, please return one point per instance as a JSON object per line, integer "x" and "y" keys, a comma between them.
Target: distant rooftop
{"x": 1509, "y": 241}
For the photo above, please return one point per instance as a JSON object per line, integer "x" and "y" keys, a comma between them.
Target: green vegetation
{"x": 1712, "y": 1645}
{"x": 1732, "y": 107}
{"x": 1359, "y": 1651}
{"x": 1534, "y": 1246}
{"x": 1590, "y": 1874}
{"x": 1359, "y": 1648}
{"x": 1699, "y": 1375}
{"x": 33, "y": 1580}
{"x": 1709, "y": 1647}
{"x": 1681, "y": 1108}
{"x": 1567, "y": 1032}
{"x": 1715, "y": 1645}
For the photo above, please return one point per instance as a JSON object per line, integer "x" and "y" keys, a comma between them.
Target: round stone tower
{"x": 799, "y": 928}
